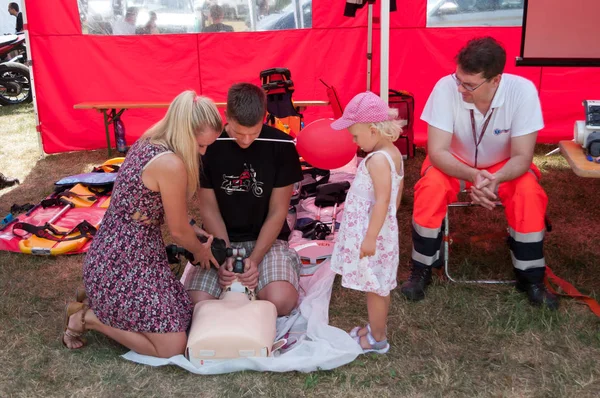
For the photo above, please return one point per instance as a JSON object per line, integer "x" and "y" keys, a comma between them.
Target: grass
{"x": 460, "y": 341}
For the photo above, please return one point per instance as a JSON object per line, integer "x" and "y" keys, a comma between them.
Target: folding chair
{"x": 447, "y": 240}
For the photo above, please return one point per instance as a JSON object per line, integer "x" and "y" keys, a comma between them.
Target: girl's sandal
{"x": 70, "y": 309}
{"x": 354, "y": 333}
{"x": 379, "y": 347}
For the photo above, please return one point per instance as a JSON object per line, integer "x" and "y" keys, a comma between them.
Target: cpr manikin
{"x": 237, "y": 325}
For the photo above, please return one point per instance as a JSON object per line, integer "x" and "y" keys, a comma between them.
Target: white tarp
{"x": 320, "y": 346}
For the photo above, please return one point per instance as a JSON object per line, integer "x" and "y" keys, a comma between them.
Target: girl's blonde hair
{"x": 187, "y": 116}
{"x": 391, "y": 128}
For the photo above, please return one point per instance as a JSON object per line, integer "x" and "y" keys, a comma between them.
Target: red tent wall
{"x": 70, "y": 67}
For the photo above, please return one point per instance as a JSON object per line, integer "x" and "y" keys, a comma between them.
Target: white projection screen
{"x": 561, "y": 33}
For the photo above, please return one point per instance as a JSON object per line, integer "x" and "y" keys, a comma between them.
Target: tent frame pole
{"x": 369, "y": 45}
{"x": 32, "y": 81}
{"x": 385, "y": 51}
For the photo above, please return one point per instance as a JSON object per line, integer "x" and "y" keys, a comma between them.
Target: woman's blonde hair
{"x": 391, "y": 128}
{"x": 187, "y": 116}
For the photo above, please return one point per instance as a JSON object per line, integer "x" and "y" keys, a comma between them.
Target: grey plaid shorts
{"x": 279, "y": 264}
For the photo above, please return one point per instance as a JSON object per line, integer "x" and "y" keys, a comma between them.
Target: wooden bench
{"x": 112, "y": 110}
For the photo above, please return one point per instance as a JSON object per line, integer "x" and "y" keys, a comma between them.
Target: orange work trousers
{"x": 524, "y": 202}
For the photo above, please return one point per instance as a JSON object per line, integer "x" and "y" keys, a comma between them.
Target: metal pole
{"x": 253, "y": 17}
{"x": 369, "y": 45}
{"x": 298, "y": 15}
{"x": 31, "y": 81}
{"x": 385, "y": 50}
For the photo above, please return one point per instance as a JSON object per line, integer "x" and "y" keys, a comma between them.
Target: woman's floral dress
{"x": 126, "y": 273}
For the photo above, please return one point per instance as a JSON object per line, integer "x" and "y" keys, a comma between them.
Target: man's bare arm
{"x": 438, "y": 149}
{"x": 521, "y": 156}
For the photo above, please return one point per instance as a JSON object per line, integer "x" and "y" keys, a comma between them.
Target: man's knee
{"x": 198, "y": 295}
{"x": 282, "y": 294}
{"x": 434, "y": 183}
{"x": 528, "y": 188}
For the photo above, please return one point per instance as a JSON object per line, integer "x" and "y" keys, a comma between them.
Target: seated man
{"x": 482, "y": 131}
{"x": 245, "y": 191}
{"x": 216, "y": 15}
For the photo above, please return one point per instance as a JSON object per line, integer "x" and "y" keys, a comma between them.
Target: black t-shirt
{"x": 243, "y": 180}
{"x": 19, "y": 27}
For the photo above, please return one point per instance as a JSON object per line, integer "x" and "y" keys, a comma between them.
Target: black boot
{"x": 414, "y": 288}
{"x": 6, "y": 182}
{"x": 538, "y": 294}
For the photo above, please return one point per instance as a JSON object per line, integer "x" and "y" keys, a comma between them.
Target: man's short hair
{"x": 216, "y": 11}
{"x": 14, "y": 6}
{"x": 482, "y": 54}
{"x": 246, "y": 104}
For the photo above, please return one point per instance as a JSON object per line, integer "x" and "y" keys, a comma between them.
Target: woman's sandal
{"x": 80, "y": 294}
{"x": 70, "y": 309}
{"x": 379, "y": 347}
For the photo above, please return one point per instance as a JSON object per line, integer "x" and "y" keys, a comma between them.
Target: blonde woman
{"x": 133, "y": 297}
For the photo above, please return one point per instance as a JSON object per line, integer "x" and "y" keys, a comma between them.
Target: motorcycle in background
{"x": 15, "y": 78}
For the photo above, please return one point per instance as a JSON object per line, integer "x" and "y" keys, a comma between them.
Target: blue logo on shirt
{"x": 500, "y": 131}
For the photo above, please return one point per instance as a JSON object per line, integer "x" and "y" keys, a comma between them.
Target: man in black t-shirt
{"x": 246, "y": 185}
{"x": 13, "y": 9}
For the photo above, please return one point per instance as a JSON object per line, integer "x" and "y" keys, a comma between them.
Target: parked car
{"x": 284, "y": 19}
{"x": 173, "y": 16}
{"x": 436, "y": 7}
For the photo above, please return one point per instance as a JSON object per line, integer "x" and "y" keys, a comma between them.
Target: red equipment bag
{"x": 404, "y": 101}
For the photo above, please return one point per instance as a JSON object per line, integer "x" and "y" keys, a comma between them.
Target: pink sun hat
{"x": 365, "y": 107}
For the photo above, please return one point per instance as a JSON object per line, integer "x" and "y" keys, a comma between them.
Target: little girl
{"x": 366, "y": 252}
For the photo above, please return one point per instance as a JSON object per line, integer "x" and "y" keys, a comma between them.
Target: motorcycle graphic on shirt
{"x": 245, "y": 182}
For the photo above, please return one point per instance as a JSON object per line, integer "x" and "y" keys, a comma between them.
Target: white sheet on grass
{"x": 320, "y": 345}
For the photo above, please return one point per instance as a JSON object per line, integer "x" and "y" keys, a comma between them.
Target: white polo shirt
{"x": 517, "y": 112}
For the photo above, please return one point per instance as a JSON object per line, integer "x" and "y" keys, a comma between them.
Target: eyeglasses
{"x": 467, "y": 86}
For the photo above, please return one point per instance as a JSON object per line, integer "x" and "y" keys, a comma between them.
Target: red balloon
{"x": 324, "y": 147}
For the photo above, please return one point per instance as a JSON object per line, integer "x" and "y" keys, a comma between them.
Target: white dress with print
{"x": 376, "y": 274}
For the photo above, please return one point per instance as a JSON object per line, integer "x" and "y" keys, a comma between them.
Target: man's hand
{"x": 204, "y": 257}
{"x": 368, "y": 247}
{"x": 483, "y": 189}
{"x": 226, "y": 274}
{"x": 250, "y": 276}
{"x": 482, "y": 179}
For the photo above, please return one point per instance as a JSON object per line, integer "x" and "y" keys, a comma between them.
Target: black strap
{"x": 18, "y": 209}
{"x": 85, "y": 229}
{"x": 61, "y": 199}
{"x": 475, "y": 139}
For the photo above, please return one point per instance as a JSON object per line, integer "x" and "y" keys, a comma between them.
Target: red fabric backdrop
{"x": 70, "y": 67}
